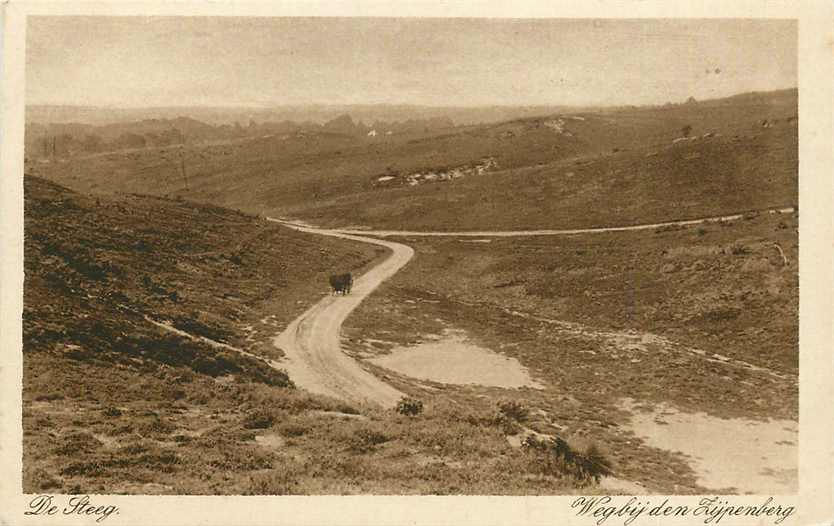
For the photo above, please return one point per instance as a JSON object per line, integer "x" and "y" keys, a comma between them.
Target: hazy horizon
{"x": 370, "y": 104}
{"x": 261, "y": 63}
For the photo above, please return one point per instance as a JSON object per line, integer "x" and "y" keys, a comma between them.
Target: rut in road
{"x": 314, "y": 358}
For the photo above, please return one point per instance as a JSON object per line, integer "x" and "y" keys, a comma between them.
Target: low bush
{"x": 366, "y": 439}
{"x": 737, "y": 249}
{"x": 409, "y": 406}
{"x": 293, "y": 430}
{"x": 507, "y": 425}
{"x": 720, "y": 314}
{"x": 49, "y": 397}
{"x": 259, "y": 420}
{"x": 155, "y": 426}
{"x": 112, "y": 412}
{"x": 513, "y": 410}
{"x": 556, "y": 457}
{"x": 282, "y": 480}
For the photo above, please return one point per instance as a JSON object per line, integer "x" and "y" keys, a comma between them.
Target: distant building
{"x": 372, "y": 133}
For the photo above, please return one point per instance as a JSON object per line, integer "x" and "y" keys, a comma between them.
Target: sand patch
{"x": 454, "y": 360}
{"x": 270, "y": 440}
{"x": 746, "y": 456}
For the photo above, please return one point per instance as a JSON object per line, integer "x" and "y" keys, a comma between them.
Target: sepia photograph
{"x": 305, "y": 256}
{"x": 410, "y": 256}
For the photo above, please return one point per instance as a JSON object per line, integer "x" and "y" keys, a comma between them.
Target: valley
{"x": 548, "y": 308}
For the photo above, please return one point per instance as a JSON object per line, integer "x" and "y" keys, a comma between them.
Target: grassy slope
{"x": 546, "y": 179}
{"x": 710, "y": 177}
{"x": 114, "y": 404}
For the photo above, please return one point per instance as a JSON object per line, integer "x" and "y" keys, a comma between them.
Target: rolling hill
{"x": 567, "y": 170}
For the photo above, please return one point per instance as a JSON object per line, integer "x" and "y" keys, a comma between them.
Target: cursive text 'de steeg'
{"x": 75, "y": 505}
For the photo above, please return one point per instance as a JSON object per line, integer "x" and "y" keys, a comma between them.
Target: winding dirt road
{"x": 539, "y": 232}
{"x": 315, "y": 360}
{"x": 311, "y": 343}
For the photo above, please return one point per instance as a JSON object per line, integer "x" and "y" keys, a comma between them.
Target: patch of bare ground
{"x": 760, "y": 458}
{"x": 702, "y": 318}
{"x": 451, "y": 359}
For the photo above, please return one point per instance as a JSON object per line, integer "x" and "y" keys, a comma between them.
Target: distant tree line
{"x": 65, "y": 144}
{"x": 67, "y": 139}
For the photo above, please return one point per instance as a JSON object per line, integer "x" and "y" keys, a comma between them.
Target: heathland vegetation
{"x": 155, "y": 286}
{"x": 115, "y": 401}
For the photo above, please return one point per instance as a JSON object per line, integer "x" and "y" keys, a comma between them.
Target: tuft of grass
{"x": 409, "y": 406}
{"x": 293, "y": 430}
{"x": 49, "y": 397}
{"x": 513, "y": 409}
{"x": 112, "y": 412}
{"x": 366, "y": 439}
{"x": 283, "y": 480}
{"x": 259, "y": 420}
{"x": 738, "y": 249}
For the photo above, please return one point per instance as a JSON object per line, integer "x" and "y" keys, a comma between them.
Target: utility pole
{"x": 53, "y": 147}
{"x": 182, "y": 168}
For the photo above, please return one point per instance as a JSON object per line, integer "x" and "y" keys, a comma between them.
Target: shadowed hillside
{"x": 115, "y": 401}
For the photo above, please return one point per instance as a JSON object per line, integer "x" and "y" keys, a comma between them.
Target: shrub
{"x": 293, "y": 430}
{"x": 76, "y": 443}
{"x": 508, "y": 426}
{"x": 207, "y": 365}
{"x": 738, "y": 249}
{"x": 557, "y": 456}
{"x": 513, "y": 410}
{"x": 45, "y": 480}
{"x": 283, "y": 480}
{"x": 49, "y": 397}
{"x": 156, "y": 427}
{"x": 366, "y": 439}
{"x": 258, "y": 420}
{"x": 409, "y": 406}
{"x": 720, "y": 314}
{"x": 112, "y": 411}
{"x": 595, "y": 464}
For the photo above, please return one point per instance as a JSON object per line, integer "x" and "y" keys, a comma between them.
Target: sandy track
{"x": 315, "y": 360}
{"x": 538, "y": 232}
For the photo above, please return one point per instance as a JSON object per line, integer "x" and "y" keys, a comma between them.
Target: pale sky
{"x": 222, "y": 61}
